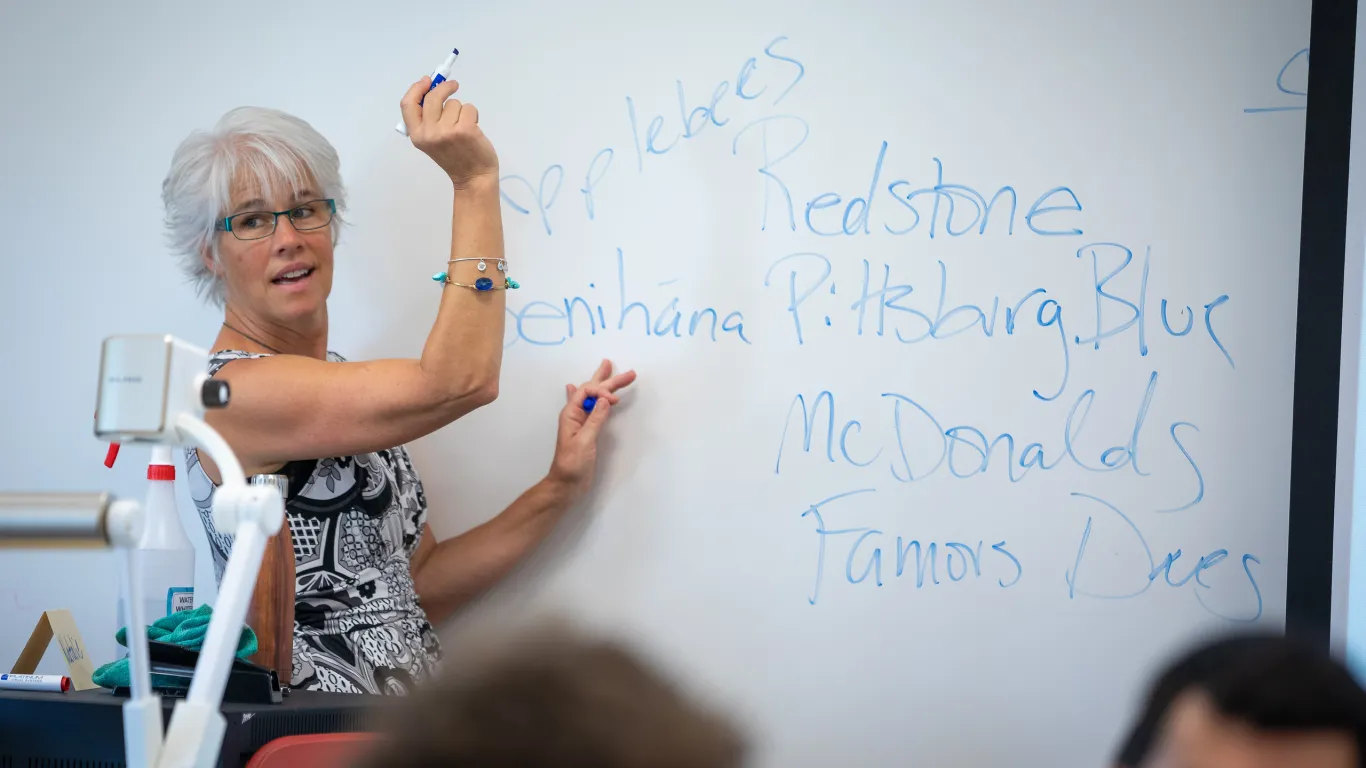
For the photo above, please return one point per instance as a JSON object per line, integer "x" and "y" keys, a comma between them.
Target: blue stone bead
{"x": 483, "y": 284}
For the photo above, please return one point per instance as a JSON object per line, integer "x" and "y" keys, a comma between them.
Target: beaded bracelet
{"x": 482, "y": 284}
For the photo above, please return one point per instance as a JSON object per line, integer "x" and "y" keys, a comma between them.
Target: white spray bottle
{"x": 165, "y": 553}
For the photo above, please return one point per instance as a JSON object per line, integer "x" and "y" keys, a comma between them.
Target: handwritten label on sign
{"x": 62, "y": 626}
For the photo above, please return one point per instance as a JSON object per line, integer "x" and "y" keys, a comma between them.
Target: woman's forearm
{"x": 465, "y": 347}
{"x": 457, "y": 570}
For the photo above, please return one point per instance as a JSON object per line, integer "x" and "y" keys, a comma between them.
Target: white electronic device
{"x": 154, "y": 389}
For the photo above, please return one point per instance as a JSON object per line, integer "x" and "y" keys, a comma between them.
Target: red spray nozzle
{"x": 112, "y": 454}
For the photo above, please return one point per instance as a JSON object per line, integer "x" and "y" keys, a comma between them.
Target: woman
{"x": 254, "y": 209}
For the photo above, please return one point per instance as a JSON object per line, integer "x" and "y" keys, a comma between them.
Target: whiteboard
{"x": 900, "y": 480}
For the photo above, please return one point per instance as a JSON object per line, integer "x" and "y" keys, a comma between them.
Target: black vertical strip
{"x": 1318, "y": 329}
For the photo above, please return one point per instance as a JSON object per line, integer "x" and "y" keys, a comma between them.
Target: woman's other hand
{"x": 576, "y": 446}
{"x": 450, "y": 573}
{"x": 448, "y": 131}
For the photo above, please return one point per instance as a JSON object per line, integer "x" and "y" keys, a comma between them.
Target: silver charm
{"x": 502, "y": 266}
{"x": 482, "y": 265}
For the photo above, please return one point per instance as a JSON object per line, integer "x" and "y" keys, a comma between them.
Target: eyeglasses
{"x": 254, "y": 225}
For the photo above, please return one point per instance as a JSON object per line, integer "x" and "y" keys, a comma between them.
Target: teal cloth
{"x": 186, "y": 629}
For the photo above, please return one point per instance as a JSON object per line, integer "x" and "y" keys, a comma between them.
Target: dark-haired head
{"x": 1251, "y": 700}
{"x": 555, "y": 699}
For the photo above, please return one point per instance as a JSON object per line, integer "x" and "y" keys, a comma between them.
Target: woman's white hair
{"x": 265, "y": 144}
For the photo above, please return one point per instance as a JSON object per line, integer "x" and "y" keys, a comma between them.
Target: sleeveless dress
{"x": 355, "y": 522}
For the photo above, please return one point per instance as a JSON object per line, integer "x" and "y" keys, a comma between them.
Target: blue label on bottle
{"x": 179, "y": 599}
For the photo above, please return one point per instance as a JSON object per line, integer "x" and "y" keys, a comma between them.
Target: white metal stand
{"x": 252, "y": 514}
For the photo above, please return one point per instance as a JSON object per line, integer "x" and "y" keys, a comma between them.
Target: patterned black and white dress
{"x": 355, "y": 522}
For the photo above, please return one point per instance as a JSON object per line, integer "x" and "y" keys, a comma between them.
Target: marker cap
{"x": 439, "y": 76}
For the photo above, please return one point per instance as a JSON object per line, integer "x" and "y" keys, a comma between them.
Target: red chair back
{"x": 320, "y": 750}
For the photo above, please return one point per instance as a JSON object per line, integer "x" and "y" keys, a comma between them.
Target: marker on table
{"x": 55, "y": 683}
{"x": 441, "y": 75}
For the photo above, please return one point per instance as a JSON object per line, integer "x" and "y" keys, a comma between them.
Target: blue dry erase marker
{"x": 441, "y": 75}
{"x": 588, "y": 403}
